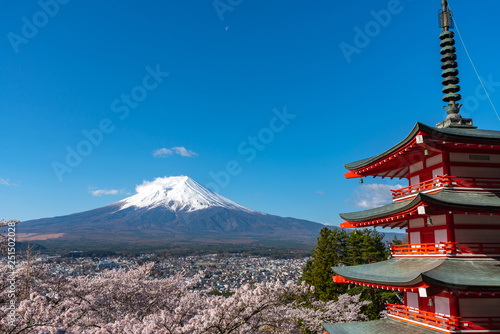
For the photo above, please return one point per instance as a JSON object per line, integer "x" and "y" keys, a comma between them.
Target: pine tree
{"x": 337, "y": 247}
{"x": 329, "y": 252}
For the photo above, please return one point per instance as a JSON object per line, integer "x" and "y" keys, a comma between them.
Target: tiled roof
{"x": 468, "y": 134}
{"x": 456, "y": 273}
{"x": 445, "y": 198}
{"x": 385, "y": 326}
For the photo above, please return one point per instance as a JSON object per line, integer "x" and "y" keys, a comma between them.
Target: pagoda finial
{"x": 450, "y": 72}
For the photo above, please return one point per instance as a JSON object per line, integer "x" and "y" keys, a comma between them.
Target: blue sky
{"x": 195, "y": 81}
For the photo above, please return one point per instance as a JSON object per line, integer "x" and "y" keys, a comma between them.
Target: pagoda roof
{"x": 386, "y": 326}
{"x": 466, "y": 200}
{"x": 454, "y": 273}
{"x": 462, "y": 135}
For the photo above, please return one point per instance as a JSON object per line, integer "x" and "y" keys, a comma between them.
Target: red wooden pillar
{"x": 446, "y": 163}
{"x": 454, "y": 305}
{"x": 450, "y": 227}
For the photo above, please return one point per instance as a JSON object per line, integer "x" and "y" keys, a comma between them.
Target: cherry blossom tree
{"x": 132, "y": 301}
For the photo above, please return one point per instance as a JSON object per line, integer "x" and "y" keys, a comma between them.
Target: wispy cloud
{"x": 183, "y": 152}
{"x": 162, "y": 152}
{"x": 7, "y": 182}
{"x": 319, "y": 192}
{"x": 100, "y": 192}
{"x": 369, "y": 196}
{"x": 180, "y": 150}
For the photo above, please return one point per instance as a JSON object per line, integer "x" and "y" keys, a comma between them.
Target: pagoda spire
{"x": 450, "y": 72}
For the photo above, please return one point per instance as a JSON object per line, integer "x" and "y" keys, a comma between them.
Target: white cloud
{"x": 7, "y": 182}
{"x": 370, "y": 196}
{"x": 162, "y": 152}
{"x": 100, "y": 192}
{"x": 180, "y": 150}
{"x": 183, "y": 152}
{"x": 319, "y": 192}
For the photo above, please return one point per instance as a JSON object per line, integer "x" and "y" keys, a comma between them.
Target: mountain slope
{"x": 168, "y": 211}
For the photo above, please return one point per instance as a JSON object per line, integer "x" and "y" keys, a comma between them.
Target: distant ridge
{"x": 166, "y": 212}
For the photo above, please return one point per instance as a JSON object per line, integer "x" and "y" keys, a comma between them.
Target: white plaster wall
{"x": 416, "y": 223}
{"x": 434, "y": 160}
{"x": 477, "y": 236}
{"x": 482, "y": 172}
{"x": 475, "y": 220}
{"x": 416, "y": 167}
{"x": 437, "y": 172}
{"x": 438, "y": 220}
{"x": 464, "y": 157}
{"x": 414, "y": 180}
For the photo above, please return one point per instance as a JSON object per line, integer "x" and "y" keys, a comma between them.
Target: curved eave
{"x": 462, "y": 135}
{"x": 381, "y": 212}
{"x": 452, "y": 273}
{"x": 466, "y": 201}
{"x": 365, "y": 162}
{"x": 393, "y": 272}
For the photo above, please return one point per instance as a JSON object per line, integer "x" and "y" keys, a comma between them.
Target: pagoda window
{"x": 477, "y": 236}
{"x": 412, "y": 300}
{"x": 479, "y": 307}
{"x": 438, "y": 220}
{"x": 475, "y": 220}
{"x": 475, "y": 158}
{"x": 441, "y": 235}
{"x": 414, "y": 238}
{"x": 442, "y": 305}
{"x": 416, "y": 167}
{"x": 437, "y": 172}
{"x": 434, "y": 160}
{"x": 414, "y": 180}
{"x": 469, "y": 171}
{"x": 416, "y": 223}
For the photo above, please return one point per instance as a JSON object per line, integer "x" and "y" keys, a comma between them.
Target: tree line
{"x": 338, "y": 247}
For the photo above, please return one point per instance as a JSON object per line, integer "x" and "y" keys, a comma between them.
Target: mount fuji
{"x": 166, "y": 212}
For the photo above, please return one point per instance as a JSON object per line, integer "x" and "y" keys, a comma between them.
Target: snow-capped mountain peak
{"x": 178, "y": 193}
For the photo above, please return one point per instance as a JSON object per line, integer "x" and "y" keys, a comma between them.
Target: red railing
{"x": 447, "y": 248}
{"x": 447, "y": 181}
{"x": 447, "y": 322}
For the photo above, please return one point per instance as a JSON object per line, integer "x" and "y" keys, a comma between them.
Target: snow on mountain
{"x": 177, "y": 193}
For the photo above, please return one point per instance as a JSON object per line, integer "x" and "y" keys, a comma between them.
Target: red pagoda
{"x": 450, "y": 270}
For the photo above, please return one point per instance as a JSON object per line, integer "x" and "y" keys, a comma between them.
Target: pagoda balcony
{"x": 446, "y": 182}
{"x": 448, "y": 323}
{"x": 447, "y": 249}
